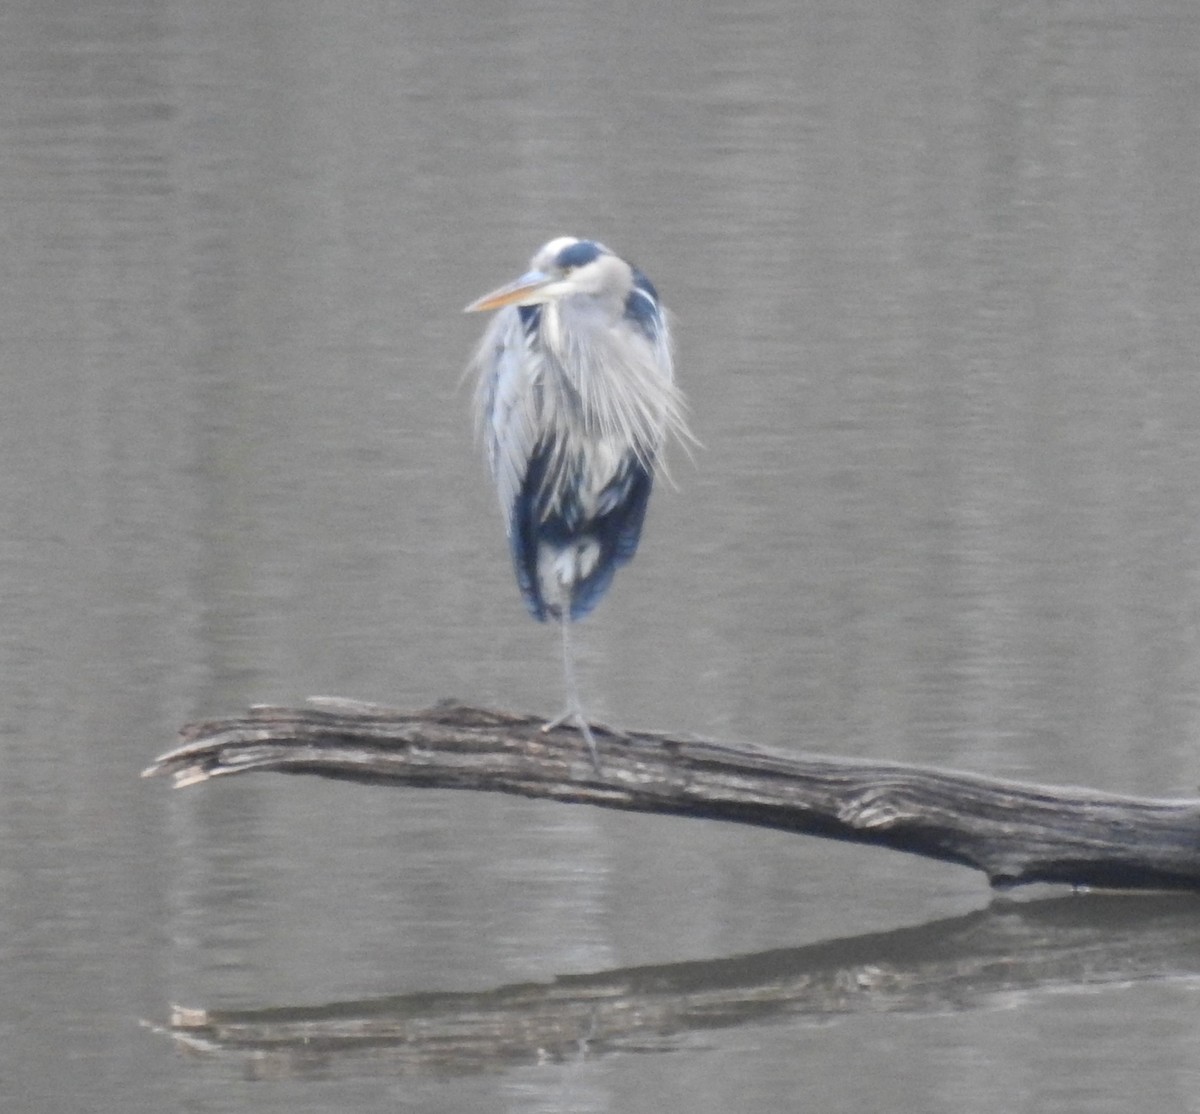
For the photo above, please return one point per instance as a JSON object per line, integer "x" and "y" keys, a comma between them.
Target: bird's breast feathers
{"x": 581, "y": 388}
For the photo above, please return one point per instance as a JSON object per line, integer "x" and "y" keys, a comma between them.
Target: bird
{"x": 574, "y": 402}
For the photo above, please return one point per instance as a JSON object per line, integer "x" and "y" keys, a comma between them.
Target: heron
{"x": 575, "y": 400}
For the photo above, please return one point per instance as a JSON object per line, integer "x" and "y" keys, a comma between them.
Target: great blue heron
{"x": 576, "y": 395}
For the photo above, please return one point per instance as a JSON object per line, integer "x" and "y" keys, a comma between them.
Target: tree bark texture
{"x": 1015, "y": 833}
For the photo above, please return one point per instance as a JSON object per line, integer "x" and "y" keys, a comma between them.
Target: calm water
{"x": 934, "y": 271}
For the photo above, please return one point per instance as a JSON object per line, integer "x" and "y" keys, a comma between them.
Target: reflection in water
{"x": 965, "y": 963}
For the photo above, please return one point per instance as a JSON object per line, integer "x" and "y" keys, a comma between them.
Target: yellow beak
{"x": 528, "y": 290}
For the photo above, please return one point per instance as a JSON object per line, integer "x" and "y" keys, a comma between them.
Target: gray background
{"x": 934, "y": 273}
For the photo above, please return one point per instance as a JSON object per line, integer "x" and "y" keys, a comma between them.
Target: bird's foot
{"x": 575, "y": 717}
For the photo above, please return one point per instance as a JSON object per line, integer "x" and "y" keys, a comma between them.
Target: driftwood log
{"x": 1016, "y": 833}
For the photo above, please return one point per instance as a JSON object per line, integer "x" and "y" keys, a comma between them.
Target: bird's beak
{"x": 528, "y": 290}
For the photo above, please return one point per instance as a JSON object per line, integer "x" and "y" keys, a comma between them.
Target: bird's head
{"x": 563, "y": 267}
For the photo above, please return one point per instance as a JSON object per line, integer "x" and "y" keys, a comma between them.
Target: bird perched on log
{"x": 576, "y": 396}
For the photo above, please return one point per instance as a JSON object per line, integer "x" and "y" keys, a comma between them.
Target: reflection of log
{"x": 961, "y": 963}
{"x": 1015, "y": 833}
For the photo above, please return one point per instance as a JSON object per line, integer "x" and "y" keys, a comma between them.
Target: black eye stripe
{"x": 578, "y": 255}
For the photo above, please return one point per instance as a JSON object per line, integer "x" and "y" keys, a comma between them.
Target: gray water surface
{"x": 934, "y": 273}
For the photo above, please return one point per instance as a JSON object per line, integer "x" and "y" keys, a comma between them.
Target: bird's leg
{"x": 574, "y": 709}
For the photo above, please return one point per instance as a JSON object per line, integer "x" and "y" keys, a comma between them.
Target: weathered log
{"x": 958, "y": 964}
{"x": 1016, "y": 833}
